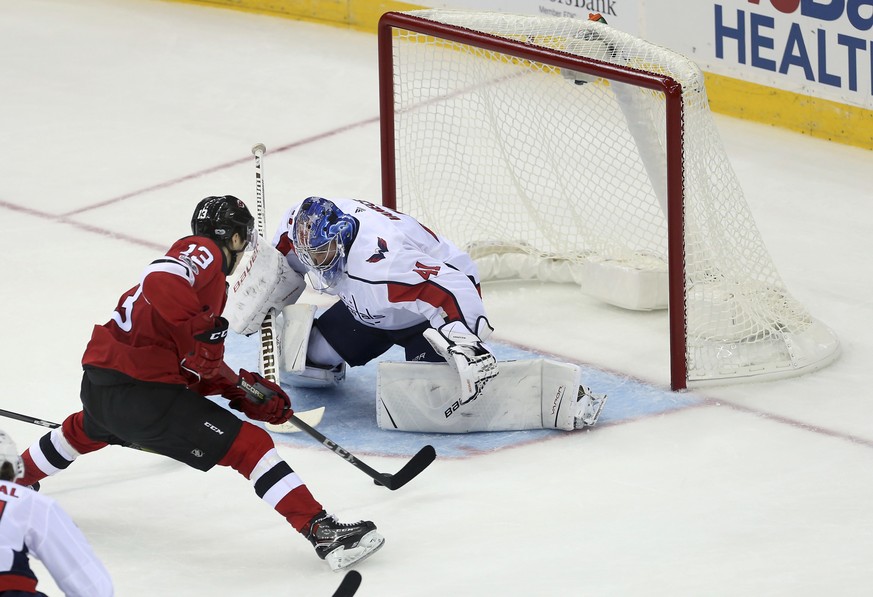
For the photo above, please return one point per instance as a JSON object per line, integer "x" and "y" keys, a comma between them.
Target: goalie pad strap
{"x": 528, "y": 394}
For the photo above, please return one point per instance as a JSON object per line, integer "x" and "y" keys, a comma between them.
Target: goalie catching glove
{"x": 259, "y": 398}
{"x": 467, "y": 354}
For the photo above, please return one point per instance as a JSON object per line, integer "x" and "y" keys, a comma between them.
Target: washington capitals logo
{"x": 379, "y": 255}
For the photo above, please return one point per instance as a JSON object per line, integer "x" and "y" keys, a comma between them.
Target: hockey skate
{"x": 342, "y": 545}
{"x": 589, "y": 405}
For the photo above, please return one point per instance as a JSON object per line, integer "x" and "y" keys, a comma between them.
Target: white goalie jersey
{"x": 399, "y": 273}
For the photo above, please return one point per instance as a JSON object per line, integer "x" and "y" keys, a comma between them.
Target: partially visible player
{"x": 33, "y": 524}
{"x": 400, "y": 283}
{"x": 148, "y": 369}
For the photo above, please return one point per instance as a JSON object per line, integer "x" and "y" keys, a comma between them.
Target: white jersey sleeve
{"x": 37, "y": 523}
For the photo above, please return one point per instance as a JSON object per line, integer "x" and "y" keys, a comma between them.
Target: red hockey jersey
{"x": 152, "y": 329}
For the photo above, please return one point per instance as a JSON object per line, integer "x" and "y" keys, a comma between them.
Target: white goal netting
{"x": 561, "y": 174}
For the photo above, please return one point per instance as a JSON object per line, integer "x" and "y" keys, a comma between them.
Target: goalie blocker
{"x": 263, "y": 282}
{"x": 266, "y": 283}
{"x": 529, "y": 394}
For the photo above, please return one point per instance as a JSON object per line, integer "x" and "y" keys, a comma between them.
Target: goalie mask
{"x": 219, "y": 218}
{"x": 322, "y": 237}
{"x": 9, "y": 456}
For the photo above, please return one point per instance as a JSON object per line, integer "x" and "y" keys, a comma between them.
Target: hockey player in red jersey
{"x": 148, "y": 369}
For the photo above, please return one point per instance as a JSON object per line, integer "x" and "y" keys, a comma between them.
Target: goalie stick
{"x": 349, "y": 585}
{"x": 269, "y": 355}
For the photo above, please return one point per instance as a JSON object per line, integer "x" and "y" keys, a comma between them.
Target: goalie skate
{"x": 590, "y": 405}
{"x": 343, "y": 544}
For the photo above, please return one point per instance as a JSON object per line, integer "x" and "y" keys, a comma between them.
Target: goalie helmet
{"x": 220, "y": 217}
{"x": 9, "y": 455}
{"x": 322, "y": 237}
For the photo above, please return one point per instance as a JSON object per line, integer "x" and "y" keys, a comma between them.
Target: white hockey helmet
{"x": 9, "y": 453}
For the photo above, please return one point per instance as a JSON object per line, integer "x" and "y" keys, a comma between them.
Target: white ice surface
{"x": 117, "y": 116}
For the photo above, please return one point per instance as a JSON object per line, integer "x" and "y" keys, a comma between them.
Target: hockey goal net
{"x": 566, "y": 150}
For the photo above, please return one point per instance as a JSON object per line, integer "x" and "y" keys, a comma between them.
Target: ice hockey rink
{"x": 117, "y": 117}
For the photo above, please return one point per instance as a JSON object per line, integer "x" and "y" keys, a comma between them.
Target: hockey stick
{"x": 50, "y": 425}
{"x": 258, "y": 393}
{"x": 349, "y": 585}
{"x": 418, "y": 463}
{"x": 269, "y": 362}
{"x": 28, "y": 419}
{"x": 410, "y": 470}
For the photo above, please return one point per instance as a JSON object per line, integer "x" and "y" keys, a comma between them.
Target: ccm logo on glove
{"x": 216, "y": 334}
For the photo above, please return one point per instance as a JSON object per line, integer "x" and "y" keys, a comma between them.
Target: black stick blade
{"x": 349, "y": 585}
{"x": 418, "y": 463}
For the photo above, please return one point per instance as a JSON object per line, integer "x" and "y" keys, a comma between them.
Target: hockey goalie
{"x": 398, "y": 284}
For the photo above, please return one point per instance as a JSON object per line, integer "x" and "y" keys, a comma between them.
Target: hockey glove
{"x": 464, "y": 351}
{"x": 208, "y": 352}
{"x": 259, "y": 398}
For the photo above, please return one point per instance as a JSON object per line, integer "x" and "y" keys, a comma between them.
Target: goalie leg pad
{"x": 294, "y": 327}
{"x": 296, "y": 331}
{"x": 528, "y": 394}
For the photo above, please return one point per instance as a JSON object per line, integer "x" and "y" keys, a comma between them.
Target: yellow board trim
{"x": 362, "y": 15}
{"x": 801, "y": 113}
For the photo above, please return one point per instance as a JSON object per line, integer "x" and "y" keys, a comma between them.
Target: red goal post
{"x": 647, "y": 214}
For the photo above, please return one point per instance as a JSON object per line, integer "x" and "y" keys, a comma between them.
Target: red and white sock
{"x": 254, "y": 456}
{"x": 57, "y": 450}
